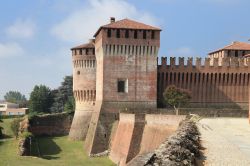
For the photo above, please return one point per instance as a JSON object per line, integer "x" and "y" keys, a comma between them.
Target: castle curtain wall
{"x": 209, "y": 83}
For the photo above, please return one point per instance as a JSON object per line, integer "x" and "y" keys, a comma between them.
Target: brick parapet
{"x": 207, "y": 63}
{"x": 208, "y": 82}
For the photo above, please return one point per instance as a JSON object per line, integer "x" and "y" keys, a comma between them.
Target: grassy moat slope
{"x": 56, "y": 151}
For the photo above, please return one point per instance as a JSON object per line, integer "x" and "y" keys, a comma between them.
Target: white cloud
{"x": 21, "y": 28}
{"x": 81, "y": 24}
{"x": 10, "y": 50}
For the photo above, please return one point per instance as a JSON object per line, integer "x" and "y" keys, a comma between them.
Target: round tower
{"x": 84, "y": 88}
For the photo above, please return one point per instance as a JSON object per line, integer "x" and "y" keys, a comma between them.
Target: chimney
{"x": 112, "y": 19}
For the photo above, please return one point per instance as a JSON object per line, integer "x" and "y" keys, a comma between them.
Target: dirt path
{"x": 226, "y": 141}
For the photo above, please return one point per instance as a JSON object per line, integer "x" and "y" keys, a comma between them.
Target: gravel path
{"x": 226, "y": 141}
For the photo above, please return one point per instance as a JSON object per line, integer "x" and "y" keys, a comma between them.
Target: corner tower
{"x": 126, "y": 79}
{"x": 84, "y": 83}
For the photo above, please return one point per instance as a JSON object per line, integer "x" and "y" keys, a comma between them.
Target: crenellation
{"x": 198, "y": 62}
{"x": 227, "y": 62}
{"x": 181, "y": 61}
{"x": 207, "y": 62}
{"x": 172, "y": 61}
{"x": 163, "y": 61}
{"x": 190, "y": 62}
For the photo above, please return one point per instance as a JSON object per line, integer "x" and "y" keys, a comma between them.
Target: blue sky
{"x": 36, "y": 36}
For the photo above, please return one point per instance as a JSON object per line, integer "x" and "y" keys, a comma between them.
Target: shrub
{"x": 15, "y": 124}
{"x": 26, "y": 134}
{"x": 176, "y": 97}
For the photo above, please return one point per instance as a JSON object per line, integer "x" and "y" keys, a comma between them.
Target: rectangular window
{"x": 127, "y": 33}
{"x": 152, "y": 34}
{"x": 236, "y": 54}
{"x": 122, "y": 86}
{"x": 144, "y": 34}
{"x": 135, "y": 34}
{"x": 118, "y": 33}
{"x": 109, "y": 32}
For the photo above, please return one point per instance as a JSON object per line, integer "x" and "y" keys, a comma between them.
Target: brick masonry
{"x": 225, "y": 84}
{"x": 126, "y": 50}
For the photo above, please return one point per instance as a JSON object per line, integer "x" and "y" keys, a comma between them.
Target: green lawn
{"x": 55, "y": 151}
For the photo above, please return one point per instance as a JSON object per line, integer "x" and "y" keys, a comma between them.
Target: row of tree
{"x": 44, "y": 100}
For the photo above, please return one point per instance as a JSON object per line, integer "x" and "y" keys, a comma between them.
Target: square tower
{"x": 126, "y": 53}
{"x": 126, "y": 76}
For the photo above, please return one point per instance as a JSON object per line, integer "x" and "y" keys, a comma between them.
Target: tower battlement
{"x": 204, "y": 62}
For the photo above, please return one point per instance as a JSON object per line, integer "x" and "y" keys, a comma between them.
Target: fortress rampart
{"x": 208, "y": 83}
{"x": 140, "y": 134}
{"x": 118, "y": 73}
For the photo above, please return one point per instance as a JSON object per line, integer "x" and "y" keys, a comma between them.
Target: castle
{"x": 116, "y": 76}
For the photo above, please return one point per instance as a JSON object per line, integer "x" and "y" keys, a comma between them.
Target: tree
{"x": 176, "y": 97}
{"x": 15, "y": 97}
{"x": 1, "y": 133}
{"x": 41, "y": 99}
{"x": 14, "y": 125}
{"x": 70, "y": 105}
{"x": 63, "y": 96}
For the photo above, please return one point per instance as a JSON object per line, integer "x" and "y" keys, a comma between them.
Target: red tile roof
{"x": 87, "y": 45}
{"x": 235, "y": 46}
{"x": 127, "y": 24}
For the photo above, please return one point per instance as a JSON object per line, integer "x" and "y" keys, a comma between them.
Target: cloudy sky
{"x": 36, "y": 36}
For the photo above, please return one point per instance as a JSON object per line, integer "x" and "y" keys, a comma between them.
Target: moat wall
{"x": 140, "y": 133}
{"x": 50, "y": 124}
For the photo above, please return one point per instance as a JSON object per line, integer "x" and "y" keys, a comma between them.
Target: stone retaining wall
{"x": 51, "y": 124}
{"x": 180, "y": 149}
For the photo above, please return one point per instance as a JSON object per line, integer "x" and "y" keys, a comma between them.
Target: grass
{"x": 56, "y": 151}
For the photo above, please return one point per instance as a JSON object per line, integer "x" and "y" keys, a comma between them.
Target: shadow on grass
{"x": 6, "y": 136}
{"x": 47, "y": 148}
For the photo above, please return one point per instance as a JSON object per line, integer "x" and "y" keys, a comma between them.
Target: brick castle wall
{"x": 222, "y": 84}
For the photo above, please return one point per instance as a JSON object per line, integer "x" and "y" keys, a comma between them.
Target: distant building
{"x": 7, "y": 108}
{"x": 236, "y": 49}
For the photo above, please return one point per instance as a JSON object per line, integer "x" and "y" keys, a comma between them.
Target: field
{"x": 56, "y": 151}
